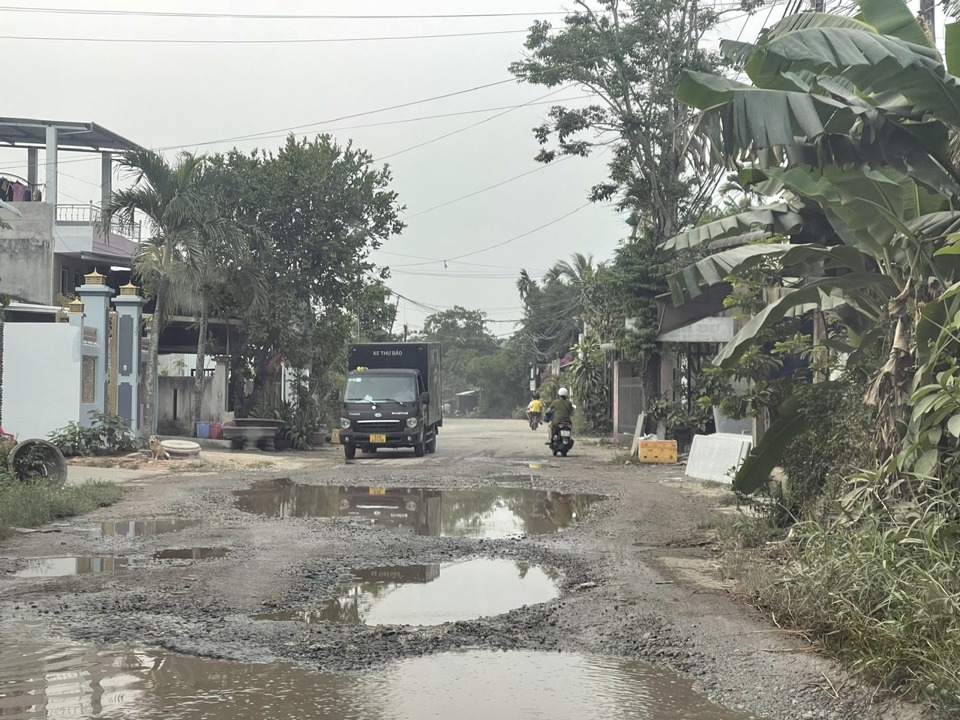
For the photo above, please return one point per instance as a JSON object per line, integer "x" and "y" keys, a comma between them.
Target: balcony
{"x": 90, "y": 215}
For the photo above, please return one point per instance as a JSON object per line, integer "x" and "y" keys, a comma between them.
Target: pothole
{"x": 197, "y": 553}
{"x": 432, "y": 594}
{"x": 71, "y": 565}
{"x": 66, "y": 680}
{"x": 488, "y": 512}
{"x": 137, "y": 528}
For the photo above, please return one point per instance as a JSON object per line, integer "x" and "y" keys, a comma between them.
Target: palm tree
{"x": 180, "y": 201}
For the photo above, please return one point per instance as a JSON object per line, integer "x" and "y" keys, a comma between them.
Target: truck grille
{"x": 379, "y": 426}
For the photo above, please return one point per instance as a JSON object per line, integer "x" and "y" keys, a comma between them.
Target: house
{"x": 49, "y": 245}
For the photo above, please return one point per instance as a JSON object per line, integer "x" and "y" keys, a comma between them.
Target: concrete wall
{"x": 26, "y": 254}
{"x": 41, "y": 378}
{"x": 175, "y": 402}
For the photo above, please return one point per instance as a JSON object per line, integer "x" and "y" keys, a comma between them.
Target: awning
{"x": 71, "y": 136}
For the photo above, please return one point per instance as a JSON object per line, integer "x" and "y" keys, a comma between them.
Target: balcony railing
{"x": 90, "y": 215}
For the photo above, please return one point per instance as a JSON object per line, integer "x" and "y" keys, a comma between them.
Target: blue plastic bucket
{"x": 203, "y": 430}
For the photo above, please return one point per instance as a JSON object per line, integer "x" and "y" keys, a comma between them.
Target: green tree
{"x": 322, "y": 208}
{"x": 464, "y": 336}
{"x": 180, "y": 201}
{"x": 630, "y": 54}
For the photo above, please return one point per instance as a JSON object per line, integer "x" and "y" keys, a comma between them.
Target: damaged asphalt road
{"x": 577, "y": 555}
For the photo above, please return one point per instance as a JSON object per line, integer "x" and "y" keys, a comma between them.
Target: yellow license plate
{"x": 378, "y": 438}
{"x": 377, "y": 491}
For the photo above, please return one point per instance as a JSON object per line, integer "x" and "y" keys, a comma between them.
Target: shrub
{"x": 109, "y": 435}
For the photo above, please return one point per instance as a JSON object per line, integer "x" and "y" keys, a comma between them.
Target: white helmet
{"x": 563, "y": 392}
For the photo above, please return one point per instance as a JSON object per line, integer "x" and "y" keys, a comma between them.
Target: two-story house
{"x": 50, "y": 245}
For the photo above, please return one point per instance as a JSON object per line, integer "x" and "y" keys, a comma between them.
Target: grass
{"x": 625, "y": 459}
{"x": 35, "y": 504}
{"x": 881, "y": 593}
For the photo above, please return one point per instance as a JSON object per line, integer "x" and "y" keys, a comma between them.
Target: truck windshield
{"x": 380, "y": 388}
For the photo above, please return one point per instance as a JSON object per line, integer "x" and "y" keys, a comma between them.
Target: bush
{"x": 109, "y": 435}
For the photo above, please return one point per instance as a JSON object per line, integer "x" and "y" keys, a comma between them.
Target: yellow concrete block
{"x": 657, "y": 451}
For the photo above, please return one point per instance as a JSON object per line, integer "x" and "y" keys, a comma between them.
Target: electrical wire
{"x": 471, "y": 126}
{"x": 263, "y": 16}
{"x": 504, "y": 242}
{"x": 489, "y": 187}
{"x": 256, "y": 41}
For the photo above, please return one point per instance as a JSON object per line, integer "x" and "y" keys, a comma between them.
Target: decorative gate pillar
{"x": 95, "y": 296}
{"x": 129, "y": 307}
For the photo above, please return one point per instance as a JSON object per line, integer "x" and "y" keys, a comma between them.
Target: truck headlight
{"x": 344, "y": 423}
{"x": 412, "y": 422}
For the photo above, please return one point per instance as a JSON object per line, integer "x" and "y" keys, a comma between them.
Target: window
{"x": 65, "y": 288}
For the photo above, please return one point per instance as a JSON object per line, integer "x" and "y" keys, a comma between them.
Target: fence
{"x": 630, "y": 403}
{"x": 90, "y": 215}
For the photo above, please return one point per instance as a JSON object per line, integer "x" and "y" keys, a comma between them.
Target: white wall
{"x": 41, "y": 378}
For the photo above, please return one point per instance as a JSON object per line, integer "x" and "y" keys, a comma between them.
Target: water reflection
{"x": 61, "y": 566}
{"x": 136, "y": 528}
{"x": 46, "y": 681}
{"x": 491, "y": 512}
{"x": 432, "y": 594}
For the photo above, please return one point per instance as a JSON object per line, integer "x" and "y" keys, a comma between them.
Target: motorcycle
{"x": 562, "y": 439}
{"x": 534, "y": 421}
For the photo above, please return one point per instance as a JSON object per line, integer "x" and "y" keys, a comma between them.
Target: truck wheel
{"x": 432, "y": 444}
{"x": 349, "y": 451}
{"x": 420, "y": 449}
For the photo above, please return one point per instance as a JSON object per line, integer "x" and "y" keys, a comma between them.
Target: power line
{"x": 255, "y": 136}
{"x": 489, "y": 187}
{"x": 257, "y": 16}
{"x": 261, "y": 41}
{"x": 504, "y": 242}
{"x": 471, "y": 126}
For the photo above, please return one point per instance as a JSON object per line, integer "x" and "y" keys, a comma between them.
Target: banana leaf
{"x": 893, "y": 17}
{"x": 755, "y": 471}
{"x": 716, "y": 268}
{"x": 874, "y": 63}
{"x": 813, "y": 295}
{"x": 779, "y": 218}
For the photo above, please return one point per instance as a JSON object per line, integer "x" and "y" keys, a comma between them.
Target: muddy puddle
{"x": 46, "y": 567}
{"x": 137, "y": 528}
{"x": 489, "y": 512}
{"x": 431, "y": 594}
{"x": 43, "y": 681}
{"x": 198, "y": 553}
{"x": 62, "y": 566}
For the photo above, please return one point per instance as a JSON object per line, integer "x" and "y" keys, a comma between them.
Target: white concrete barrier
{"x": 717, "y": 457}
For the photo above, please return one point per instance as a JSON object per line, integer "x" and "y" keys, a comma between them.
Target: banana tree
{"x": 850, "y": 124}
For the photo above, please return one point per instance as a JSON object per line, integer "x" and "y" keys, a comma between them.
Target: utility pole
{"x": 928, "y": 17}
{"x": 817, "y": 5}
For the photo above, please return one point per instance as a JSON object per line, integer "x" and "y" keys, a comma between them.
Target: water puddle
{"x": 489, "y": 512}
{"x": 44, "y": 681}
{"x": 198, "y": 553}
{"x": 432, "y": 594}
{"x": 62, "y": 566}
{"x": 136, "y": 528}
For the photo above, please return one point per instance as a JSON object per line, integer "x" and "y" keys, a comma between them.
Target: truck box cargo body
{"x": 391, "y": 398}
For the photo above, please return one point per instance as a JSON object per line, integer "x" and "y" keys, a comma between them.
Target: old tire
{"x": 38, "y": 460}
{"x": 420, "y": 449}
{"x": 349, "y": 451}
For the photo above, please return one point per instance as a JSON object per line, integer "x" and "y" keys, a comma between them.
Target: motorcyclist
{"x": 560, "y": 410}
{"x": 534, "y": 406}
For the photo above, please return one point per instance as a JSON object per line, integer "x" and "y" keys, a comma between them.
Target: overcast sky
{"x": 189, "y": 95}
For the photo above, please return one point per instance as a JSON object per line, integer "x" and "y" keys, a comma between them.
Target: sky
{"x": 201, "y": 95}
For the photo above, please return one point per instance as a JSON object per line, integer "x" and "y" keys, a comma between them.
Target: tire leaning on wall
{"x": 38, "y": 460}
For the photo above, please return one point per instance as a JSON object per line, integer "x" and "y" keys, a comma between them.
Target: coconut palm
{"x": 181, "y": 202}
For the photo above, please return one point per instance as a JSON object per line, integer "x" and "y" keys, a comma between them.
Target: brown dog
{"x": 156, "y": 449}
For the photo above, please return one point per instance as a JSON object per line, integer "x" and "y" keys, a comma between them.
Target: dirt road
{"x": 491, "y": 544}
